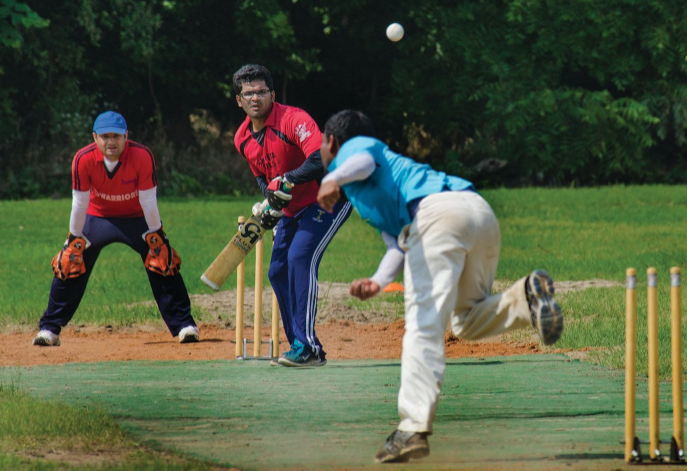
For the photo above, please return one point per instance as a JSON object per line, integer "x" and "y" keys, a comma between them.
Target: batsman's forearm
{"x": 262, "y": 183}
{"x": 311, "y": 169}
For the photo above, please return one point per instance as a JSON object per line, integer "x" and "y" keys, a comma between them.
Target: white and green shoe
{"x": 547, "y": 318}
{"x": 400, "y": 447}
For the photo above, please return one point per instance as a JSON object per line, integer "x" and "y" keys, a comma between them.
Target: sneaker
{"x": 275, "y": 361}
{"x": 189, "y": 334}
{"x": 301, "y": 357}
{"x": 400, "y": 447}
{"x": 45, "y": 338}
{"x": 547, "y": 317}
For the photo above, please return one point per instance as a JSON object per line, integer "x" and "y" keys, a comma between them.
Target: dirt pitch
{"x": 348, "y": 332}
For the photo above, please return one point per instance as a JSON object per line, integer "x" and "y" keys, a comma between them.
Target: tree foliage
{"x": 566, "y": 93}
{"x": 505, "y": 92}
{"x": 15, "y": 16}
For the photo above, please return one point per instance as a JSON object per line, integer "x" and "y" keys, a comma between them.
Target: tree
{"x": 561, "y": 91}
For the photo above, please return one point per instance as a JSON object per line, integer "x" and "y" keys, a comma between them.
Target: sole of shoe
{"x": 41, "y": 342}
{"x": 406, "y": 455}
{"x": 190, "y": 339}
{"x": 549, "y": 317}
{"x": 293, "y": 364}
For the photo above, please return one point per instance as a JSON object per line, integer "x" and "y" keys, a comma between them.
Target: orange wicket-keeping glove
{"x": 69, "y": 262}
{"x": 162, "y": 258}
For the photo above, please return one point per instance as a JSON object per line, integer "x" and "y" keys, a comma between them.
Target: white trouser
{"x": 452, "y": 251}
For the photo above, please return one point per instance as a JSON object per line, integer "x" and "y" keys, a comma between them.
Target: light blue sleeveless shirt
{"x": 382, "y": 199}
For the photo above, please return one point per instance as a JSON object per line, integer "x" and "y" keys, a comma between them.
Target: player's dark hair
{"x": 251, "y": 73}
{"x": 348, "y": 124}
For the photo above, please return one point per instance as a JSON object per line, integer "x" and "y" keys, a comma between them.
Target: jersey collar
{"x": 271, "y": 120}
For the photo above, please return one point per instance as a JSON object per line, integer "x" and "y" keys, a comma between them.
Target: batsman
{"x": 282, "y": 146}
{"x": 446, "y": 238}
{"x": 114, "y": 199}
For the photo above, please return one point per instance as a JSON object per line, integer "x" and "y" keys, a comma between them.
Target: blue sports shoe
{"x": 275, "y": 361}
{"x": 299, "y": 356}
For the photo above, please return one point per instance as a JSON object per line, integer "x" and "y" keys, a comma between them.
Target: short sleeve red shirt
{"x": 114, "y": 194}
{"x": 290, "y": 136}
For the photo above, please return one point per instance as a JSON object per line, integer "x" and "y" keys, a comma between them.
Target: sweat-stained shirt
{"x": 289, "y": 137}
{"x": 114, "y": 194}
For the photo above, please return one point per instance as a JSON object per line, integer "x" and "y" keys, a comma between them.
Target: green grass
{"x": 30, "y": 429}
{"x": 28, "y": 425}
{"x": 135, "y": 462}
{"x": 536, "y": 412}
{"x": 31, "y": 232}
{"x": 579, "y": 234}
{"x": 595, "y": 320}
{"x": 381, "y": 303}
{"x": 576, "y": 234}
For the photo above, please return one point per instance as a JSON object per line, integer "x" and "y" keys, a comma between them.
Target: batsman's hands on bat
{"x": 278, "y": 195}
{"x": 269, "y": 217}
{"x": 162, "y": 258}
{"x": 364, "y": 288}
{"x": 69, "y": 262}
{"x": 328, "y": 195}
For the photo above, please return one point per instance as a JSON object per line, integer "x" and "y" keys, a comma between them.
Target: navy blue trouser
{"x": 169, "y": 291}
{"x": 298, "y": 248}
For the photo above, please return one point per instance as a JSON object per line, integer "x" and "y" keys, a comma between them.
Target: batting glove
{"x": 268, "y": 216}
{"x": 278, "y": 193}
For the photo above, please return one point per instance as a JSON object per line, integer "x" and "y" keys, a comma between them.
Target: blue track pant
{"x": 298, "y": 248}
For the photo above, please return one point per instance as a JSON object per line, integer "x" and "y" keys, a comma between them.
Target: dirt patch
{"x": 343, "y": 340}
{"x": 112, "y": 458}
{"x": 566, "y": 286}
{"x": 334, "y": 302}
{"x": 348, "y": 330}
{"x": 79, "y": 458}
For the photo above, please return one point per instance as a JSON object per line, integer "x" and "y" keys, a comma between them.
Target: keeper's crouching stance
{"x": 447, "y": 239}
{"x": 114, "y": 200}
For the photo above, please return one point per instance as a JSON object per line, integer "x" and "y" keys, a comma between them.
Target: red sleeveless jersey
{"x": 114, "y": 194}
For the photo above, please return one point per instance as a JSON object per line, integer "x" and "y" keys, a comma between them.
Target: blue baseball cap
{"x": 110, "y": 121}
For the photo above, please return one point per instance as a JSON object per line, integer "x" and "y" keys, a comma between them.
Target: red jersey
{"x": 114, "y": 194}
{"x": 289, "y": 137}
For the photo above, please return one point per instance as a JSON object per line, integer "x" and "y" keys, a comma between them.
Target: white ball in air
{"x": 394, "y": 32}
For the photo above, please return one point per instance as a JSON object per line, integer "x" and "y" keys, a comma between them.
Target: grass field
{"x": 30, "y": 428}
{"x": 576, "y": 234}
{"x": 32, "y": 232}
{"x": 533, "y": 412}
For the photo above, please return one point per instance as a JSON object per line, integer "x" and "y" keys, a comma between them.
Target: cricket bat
{"x": 250, "y": 232}
{"x": 233, "y": 254}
